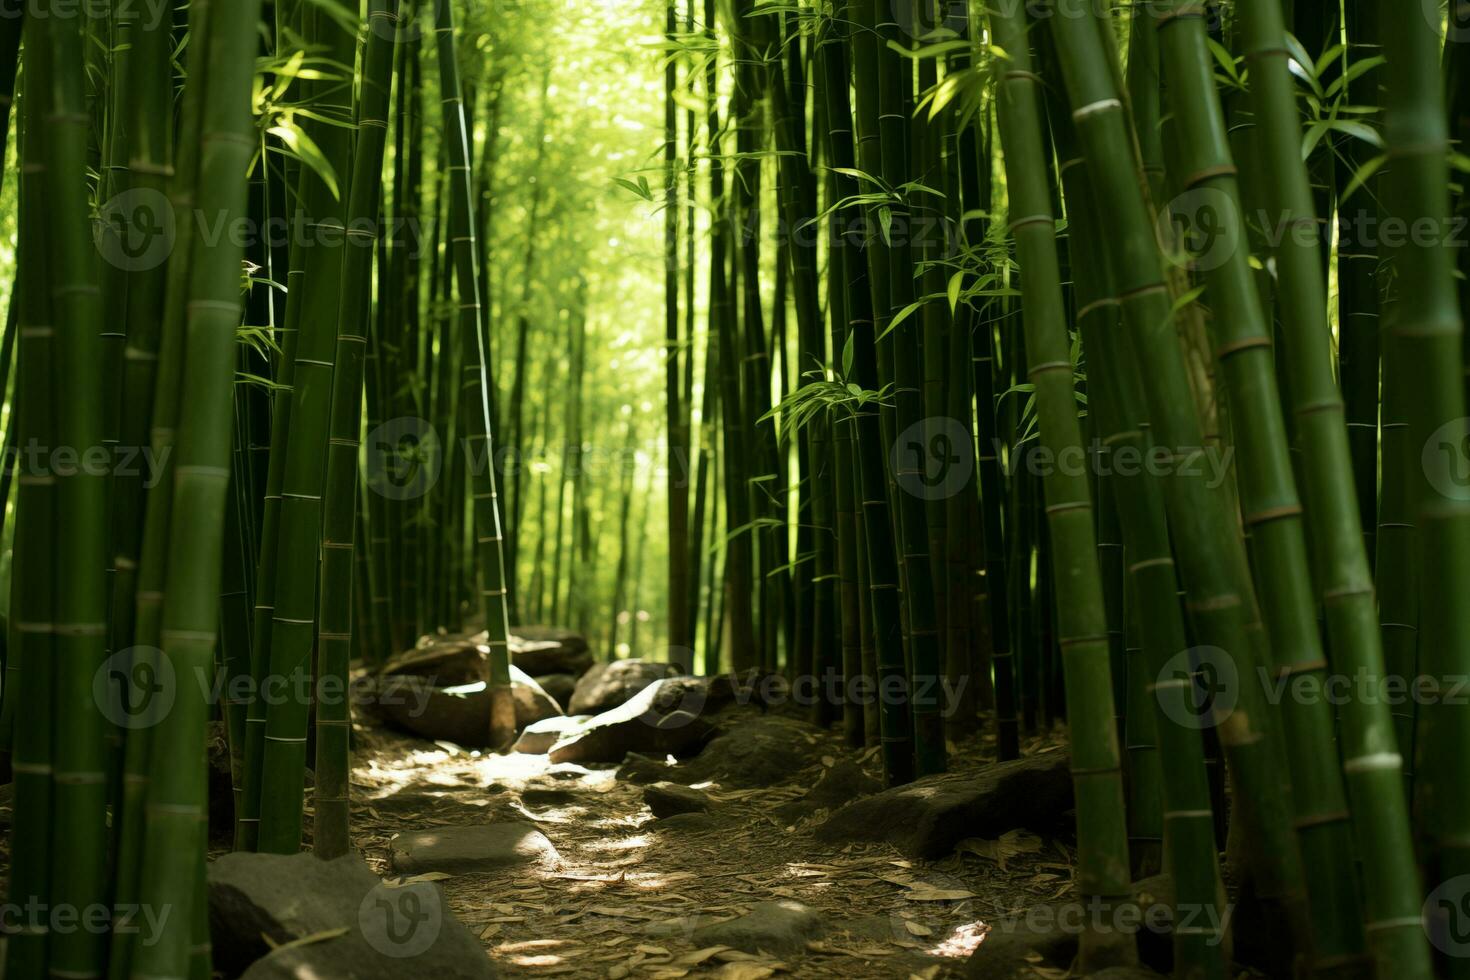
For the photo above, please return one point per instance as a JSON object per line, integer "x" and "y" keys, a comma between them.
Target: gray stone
{"x": 540, "y": 736}
{"x": 560, "y": 687}
{"x": 257, "y": 900}
{"x": 838, "y": 786}
{"x": 482, "y": 847}
{"x": 608, "y": 685}
{"x": 541, "y": 650}
{"x": 653, "y": 722}
{"x": 928, "y": 817}
{"x": 782, "y": 927}
{"x": 760, "y": 750}
{"x": 533, "y": 704}
{"x": 688, "y": 823}
{"x": 667, "y": 799}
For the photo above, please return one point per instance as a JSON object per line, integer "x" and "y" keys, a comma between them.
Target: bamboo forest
{"x": 734, "y": 488}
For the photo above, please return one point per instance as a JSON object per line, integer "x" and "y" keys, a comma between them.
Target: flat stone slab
{"x": 775, "y": 927}
{"x": 482, "y": 847}
{"x": 668, "y": 799}
{"x": 928, "y": 817}
{"x": 257, "y": 900}
{"x": 654, "y": 721}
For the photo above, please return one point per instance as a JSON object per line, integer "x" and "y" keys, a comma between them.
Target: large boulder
{"x": 532, "y": 702}
{"x": 656, "y": 721}
{"x": 417, "y": 703}
{"x": 560, "y": 687}
{"x": 477, "y": 847}
{"x": 928, "y": 817}
{"x": 758, "y": 750}
{"x": 608, "y": 685}
{"x": 260, "y": 901}
{"x": 542, "y": 650}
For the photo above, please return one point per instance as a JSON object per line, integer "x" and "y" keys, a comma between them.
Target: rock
{"x": 482, "y": 847}
{"x": 533, "y": 704}
{"x": 838, "y": 786}
{"x": 608, "y": 685}
{"x": 542, "y": 650}
{"x": 652, "y": 722}
{"x": 540, "y": 736}
{"x": 688, "y": 823}
{"x": 762, "y": 750}
{"x": 417, "y": 703}
{"x": 641, "y": 769}
{"x": 560, "y": 687}
{"x": 928, "y": 817}
{"x": 775, "y": 927}
{"x": 667, "y": 799}
{"x": 391, "y": 931}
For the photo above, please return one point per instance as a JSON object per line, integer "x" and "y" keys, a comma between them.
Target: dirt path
{"x": 630, "y": 890}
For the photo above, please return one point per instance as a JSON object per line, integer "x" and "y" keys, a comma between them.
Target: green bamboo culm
{"x": 174, "y": 842}
{"x": 79, "y": 877}
{"x": 474, "y": 399}
{"x": 339, "y": 504}
{"x": 1271, "y": 509}
{"x": 130, "y": 816}
{"x": 31, "y": 647}
{"x": 1097, "y": 775}
{"x": 1371, "y": 761}
{"x": 293, "y": 625}
{"x": 1207, "y": 545}
{"x": 1424, "y": 332}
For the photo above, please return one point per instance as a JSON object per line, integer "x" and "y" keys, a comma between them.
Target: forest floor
{"x": 628, "y": 891}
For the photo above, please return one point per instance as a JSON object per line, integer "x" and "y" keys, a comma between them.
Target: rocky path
{"x": 611, "y": 871}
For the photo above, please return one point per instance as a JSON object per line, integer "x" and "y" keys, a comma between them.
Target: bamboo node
{"x": 1373, "y": 762}
{"x": 1272, "y": 514}
{"x": 1095, "y": 108}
